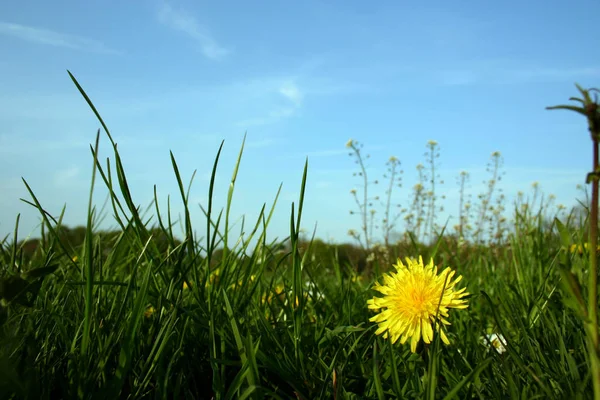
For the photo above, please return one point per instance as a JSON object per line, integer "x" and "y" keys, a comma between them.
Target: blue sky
{"x": 301, "y": 78}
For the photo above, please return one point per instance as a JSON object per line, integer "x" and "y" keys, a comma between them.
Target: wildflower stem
{"x": 388, "y": 224}
{"x": 591, "y": 110}
{"x": 593, "y": 273}
{"x": 461, "y": 217}
{"x": 362, "y": 208}
{"x": 429, "y": 229}
{"x": 365, "y": 202}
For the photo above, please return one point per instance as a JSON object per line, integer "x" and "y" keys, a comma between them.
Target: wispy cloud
{"x": 56, "y": 39}
{"x": 187, "y": 24}
{"x": 291, "y": 91}
{"x": 283, "y": 100}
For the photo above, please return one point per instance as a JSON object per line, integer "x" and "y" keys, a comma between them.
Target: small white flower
{"x": 498, "y": 342}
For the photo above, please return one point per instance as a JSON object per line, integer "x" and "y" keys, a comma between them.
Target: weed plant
{"x": 141, "y": 314}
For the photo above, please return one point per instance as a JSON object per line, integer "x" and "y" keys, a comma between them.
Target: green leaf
{"x": 571, "y": 285}
{"x": 376, "y": 377}
{"x": 592, "y": 176}
{"x": 127, "y": 352}
{"x": 584, "y": 93}
{"x": 438, "y": 242}
{"x": 242, "y": 350}
{"x": 572, "y": 108}
{"x": 577, "y": 99}
{"x": 39, "y": 272}
{"x": 565, "y": 236}
{"x": 470, "y": 376}
{"x": 395, "y": 375}
{"x": 331, "y": 333}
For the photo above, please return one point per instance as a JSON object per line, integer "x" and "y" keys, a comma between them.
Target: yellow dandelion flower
{"x": 279, "y": 289}
{"x": 213, "y": 278}
{"x": 577, "y": 248}
{"x": 266, "y": 299}
{"x": 410, "y": 302}
{"x": 149, "y": 311}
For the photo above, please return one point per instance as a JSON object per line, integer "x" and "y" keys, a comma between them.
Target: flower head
{"x": 149, "y": 311}
{"x": 577, "y": 248}
{"x": 495, "y": 341}
{"x": 414, "y": 298}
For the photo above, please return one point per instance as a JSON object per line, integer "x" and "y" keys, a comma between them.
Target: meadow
{"x": 140, "y": 313}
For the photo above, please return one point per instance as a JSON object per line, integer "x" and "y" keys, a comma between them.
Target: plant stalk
{"x": 593, "y": 276}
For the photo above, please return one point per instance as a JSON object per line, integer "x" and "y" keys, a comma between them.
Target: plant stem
{"x": 430, "y": 224}
{"x": 593, "y": 278}
{"x": 591, "y": 110}
{"x": 388, "y": 225}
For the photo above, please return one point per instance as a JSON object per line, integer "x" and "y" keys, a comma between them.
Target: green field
{"x": 146, "y": 312}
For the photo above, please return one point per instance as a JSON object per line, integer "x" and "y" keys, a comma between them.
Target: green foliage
{"x": 136, "y": 313}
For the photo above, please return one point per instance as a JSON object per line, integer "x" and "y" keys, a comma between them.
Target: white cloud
{"x": 56, "y": 39}
{"x": 272, "y": 90}
{"x": 189, "y": 25}
{"x": 291, "y": 91}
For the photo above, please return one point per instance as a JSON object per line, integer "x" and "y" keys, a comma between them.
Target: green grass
{"x": 139, "y": 313}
